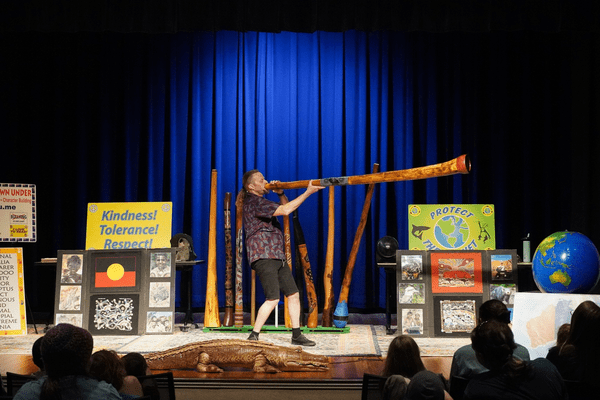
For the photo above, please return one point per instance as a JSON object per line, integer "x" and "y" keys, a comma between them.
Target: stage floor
{"x": 352, "y": 354}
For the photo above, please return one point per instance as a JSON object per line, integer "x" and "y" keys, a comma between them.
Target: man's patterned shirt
{"x": 264, "y": 238}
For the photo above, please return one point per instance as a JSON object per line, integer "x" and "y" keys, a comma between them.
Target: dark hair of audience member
{"x": 493, "y": 342}
{"x": 562, "y": 334}
{"x": 66, "y": 351}
{"x": 36, "y": 353}
{"x": 494, "y": 310}
{"x": 107, "y": 366}
{"x": 135, "y": 364}
{"x": 583, "y": 341}
{"x": 403, "y": 357}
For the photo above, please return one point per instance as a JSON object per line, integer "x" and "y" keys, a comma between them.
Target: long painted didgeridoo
{"x": 288, "y": 256}
{"x": 228, "y": 318}
{"x": 328, "y": 272}
{"x": 311, "y": 294}
{"x": 239, "y": 258}
{"x": 340, "y": 316}
{"x": 459, "y": 165}
{"x": 211, "y": 311}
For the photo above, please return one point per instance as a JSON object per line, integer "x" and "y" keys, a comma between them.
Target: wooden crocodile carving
{"x": 211, "y": 355}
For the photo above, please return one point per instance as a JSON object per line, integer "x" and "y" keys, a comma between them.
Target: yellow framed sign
{"x": 13, "y": 319}
{"x": 120, "y": 226}
{"x": 451, "y": 227}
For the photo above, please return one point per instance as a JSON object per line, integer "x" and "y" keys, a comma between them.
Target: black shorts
{"x": 275, "y": 275}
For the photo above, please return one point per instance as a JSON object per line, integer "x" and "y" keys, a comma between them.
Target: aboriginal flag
{"x": 116, "y": 271}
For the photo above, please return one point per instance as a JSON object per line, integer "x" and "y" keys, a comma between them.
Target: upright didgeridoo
{"x": 311, "y": 293}
{"x": 340, "y": 316}
{"x": 328, "y": 272}
{"x": 459, "y": 165}
{"x": 228, "y": 318}
{"x": 288, "y": 256}
{"x": 211, "y": 310}
{"x": 239, "y": 258}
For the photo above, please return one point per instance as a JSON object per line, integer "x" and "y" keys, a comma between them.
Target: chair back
{"x": 159, "y": 386}
{"x": 458, "y": 384}
{"x": 372, "y": 387}
{"x": 15, "y": 381}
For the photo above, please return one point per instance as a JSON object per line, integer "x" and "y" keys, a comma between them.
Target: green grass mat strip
{"x": 277, "y": 329}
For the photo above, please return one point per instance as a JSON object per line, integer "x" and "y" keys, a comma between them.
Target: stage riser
{"x": 269, "y": 394}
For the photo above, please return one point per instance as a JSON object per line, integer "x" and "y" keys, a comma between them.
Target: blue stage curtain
{"x": 110, "y": 117}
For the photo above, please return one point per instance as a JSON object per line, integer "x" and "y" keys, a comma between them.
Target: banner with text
{"x": 451, "y": 227}
{"x": 17, "y": 212}
{"x": 117, "y": 226}
{"x": 13, "y": 319}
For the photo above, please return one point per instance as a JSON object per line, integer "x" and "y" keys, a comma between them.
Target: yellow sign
{"x": 118, "y": 226}
{"x": 12, "y": 292}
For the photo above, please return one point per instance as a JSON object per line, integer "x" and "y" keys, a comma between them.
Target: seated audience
{"x": 36, "y": 353}
{"x": 425, "y": 385}
{"x": 562, "y": 334}
{"x": 464, "y": 362}
{"x": 66, "y": 351}
{"x": 136, "y": 365}
{"x": 577, "y": 358}
{"x": 509, "y": 377}
{"x": 402, "y": 363}
{"x": 107, "y": 366}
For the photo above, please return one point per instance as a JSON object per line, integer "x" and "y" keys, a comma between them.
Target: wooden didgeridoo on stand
{"x": 311, "y": 294}
{"x": 239, "y": 272}
{"x": 328, "y": 272}
{"x": 211, "y": 309}
{"x": 228, "y": 318}
{"x": 340, "y": 316}
{"x": 459, "y": 165}
{"x": 288, "y": 256}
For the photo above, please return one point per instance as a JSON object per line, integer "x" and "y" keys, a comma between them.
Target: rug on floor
{"x": 360, "y": 341}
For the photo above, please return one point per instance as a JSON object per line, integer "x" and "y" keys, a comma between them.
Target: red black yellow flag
{"x": 117, "y": 271}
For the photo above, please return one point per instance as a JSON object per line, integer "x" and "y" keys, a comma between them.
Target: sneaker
{"x": 253, "y": 336}
{"x": 303, "y": 341}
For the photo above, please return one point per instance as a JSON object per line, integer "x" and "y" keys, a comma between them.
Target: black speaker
{"x": 385, "y": 251}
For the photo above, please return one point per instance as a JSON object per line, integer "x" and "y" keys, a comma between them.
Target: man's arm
{"x": 288, "y": 207}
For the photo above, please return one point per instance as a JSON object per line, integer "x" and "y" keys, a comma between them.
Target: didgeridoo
{"x": 211, "y": 310}
{"x": 340, "y": 316}
{"x": 288, "y": 256}
{"x": 228, "y": 318}
{"x": 328, "y": 272}
{"x": 311, "y": 294}
{"x": 459, "y": 165}
{"x": 239, "y": 258}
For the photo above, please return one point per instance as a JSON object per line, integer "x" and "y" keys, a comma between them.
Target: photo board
{"x": 438, "y": 293}
{"x": 117, "y": 292}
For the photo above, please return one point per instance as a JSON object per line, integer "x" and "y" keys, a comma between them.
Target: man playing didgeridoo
{"x": 265, "y": 249}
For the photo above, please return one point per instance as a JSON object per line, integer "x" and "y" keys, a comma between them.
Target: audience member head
{"x": 562, "y": 334}
{"x": 425, "y": 385}
{"x": 494, "y": 342}
{"x": 403, "y": 357}
{"x": 494, "y": 310}
{"x": 36, "y": 353}
{"x": 135, "y": 364}
{"x": 585, "y": 326}
{"x": 66, "y": 350}
{"x": 107, "y": 366}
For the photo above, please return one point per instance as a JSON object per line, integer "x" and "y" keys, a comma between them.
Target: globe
{"x": 566, "y": 262}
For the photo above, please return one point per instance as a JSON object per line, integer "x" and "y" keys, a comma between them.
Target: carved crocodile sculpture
{"x": 210, "y": 355}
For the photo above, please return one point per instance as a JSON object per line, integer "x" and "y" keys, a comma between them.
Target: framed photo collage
{"x": 109, "y": 292}
{"x": 439, "y": 292}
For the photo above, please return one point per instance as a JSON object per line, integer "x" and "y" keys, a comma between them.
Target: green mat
{"x": 278, "y": 329}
